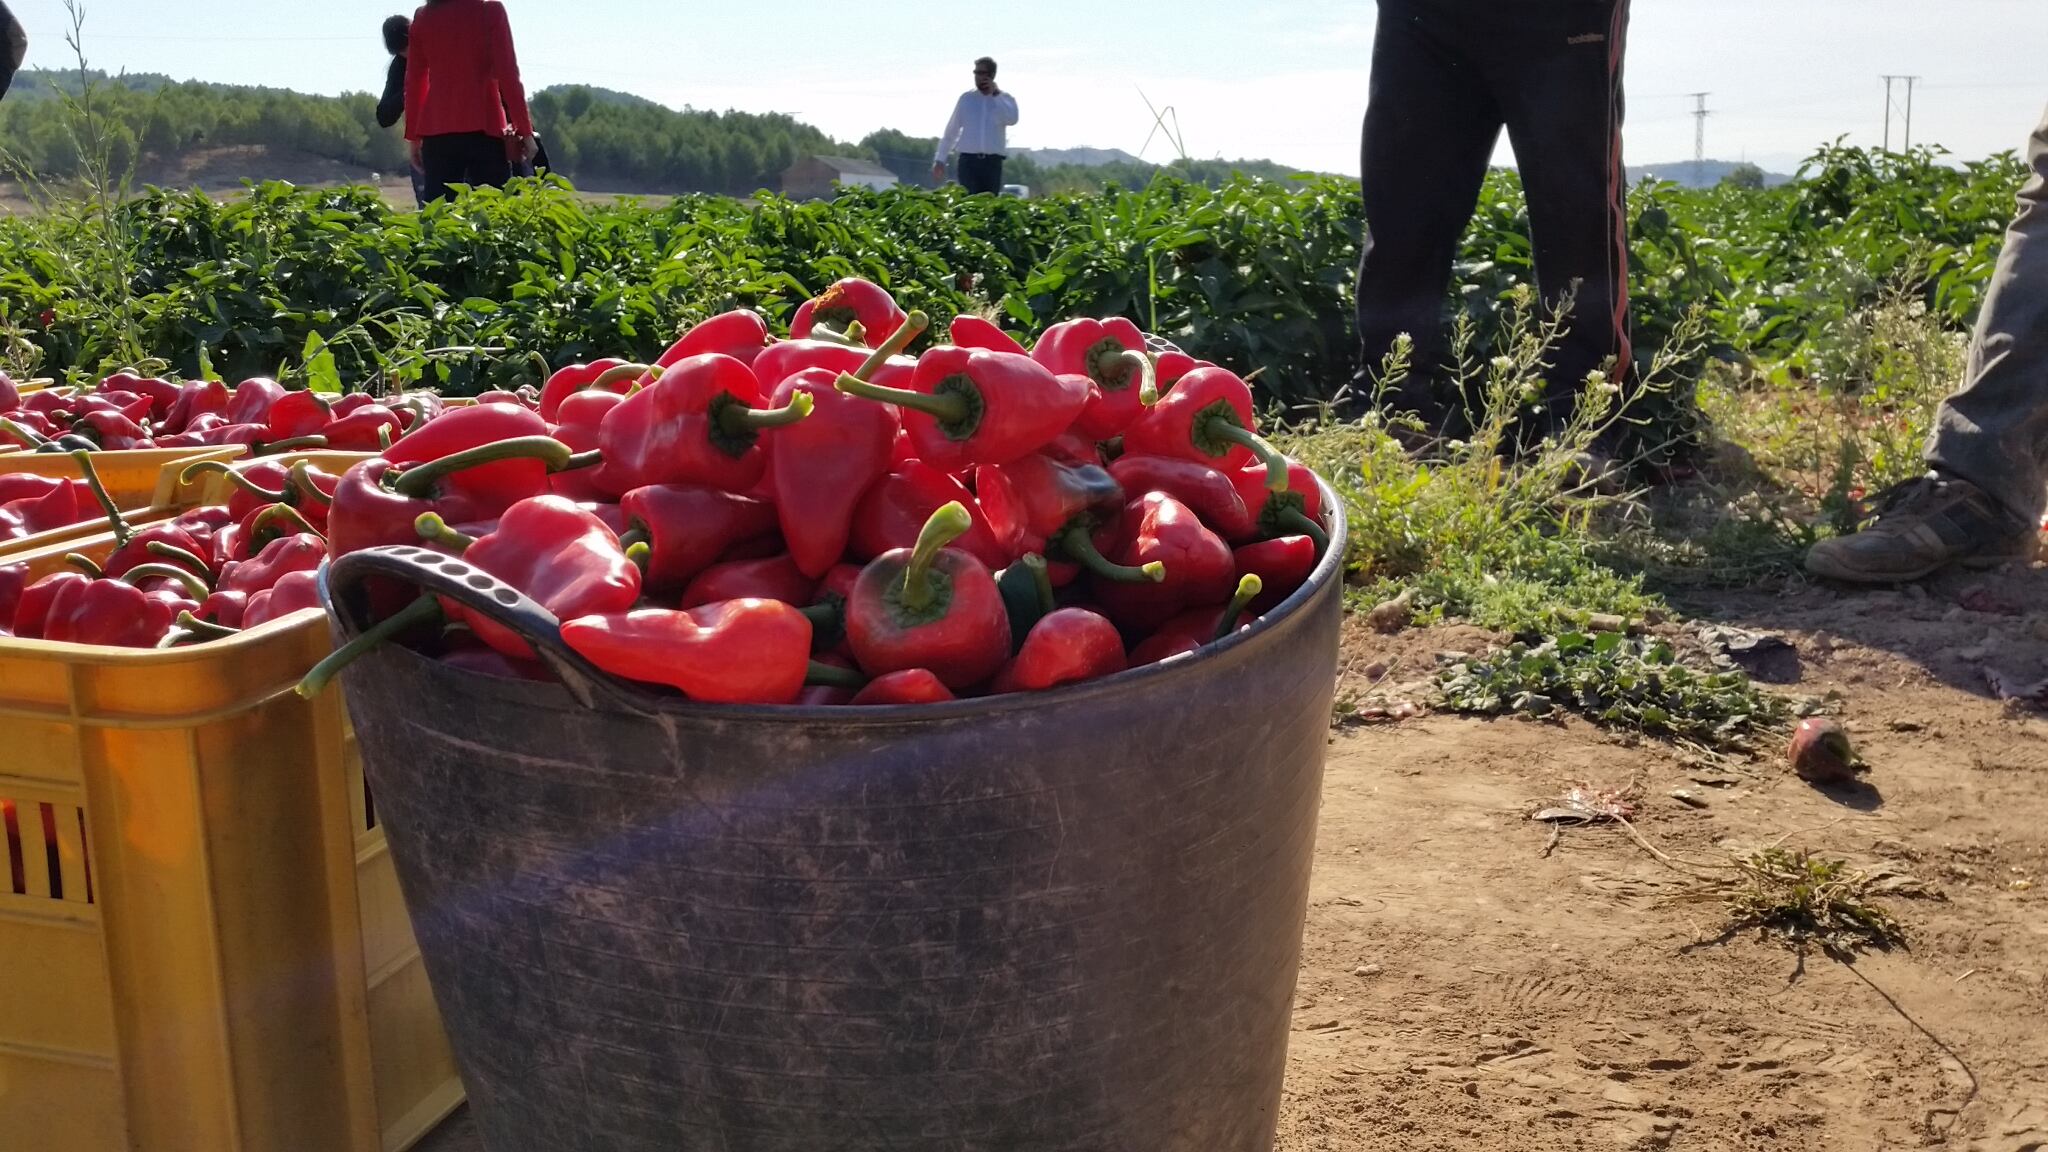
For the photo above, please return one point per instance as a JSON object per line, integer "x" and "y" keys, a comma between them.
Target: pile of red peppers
{"x": 823, "y": 519}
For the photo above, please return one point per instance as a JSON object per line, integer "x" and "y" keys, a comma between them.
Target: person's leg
{"x": 487, "y": 163}
{"x": 974, "y": 174}
{"x": 1560, "y": 79}
{"x": 1430, "y": 128}
{"x": 1982, "y": 502}
{"x": 443, "y": 162}
{"x": 1993, "y": 431}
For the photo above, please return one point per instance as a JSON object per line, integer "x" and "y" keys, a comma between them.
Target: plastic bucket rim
{"x": 1327, "y": 571}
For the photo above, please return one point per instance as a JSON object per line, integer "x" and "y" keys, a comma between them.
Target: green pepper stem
{"x": 1248, "y": 588}
{"x": 435, "y": 530}
{"x": 737, "y": 419}
{"x": 85, "y": 564}
{"x": 383, "y": 437}
{"x": 418, "y": 612}
{"x": 821, "y": 615}
{"x": 632, "y": 536}
{"x": 1224, "y": 428}
{"x": 541, "y": 362}
{"x": 913, "y": 327}
{"x": 179, "y": 555}
{"x": 227, "y": 472}
{"x": 418, "y": 482}
{"x": 193, "y": 585}
{"x": 1041, "y": 580}
{"x": 1295, "y": 520}
{"x": 590, "y": 459}
{"x": 640, "y": 555}
{"x": 832, "y": 676}
{"x": 294, "y": 444}
{"x": 1148, "y": 376}
{"x": 616, "y": 373}
{"x": 833, "y": 335}
{"x": 286, "y": 513}
{"x": 945, "y": 407}
{"x": 946, "y": 525}
{"x": 1079, "y": 546}
{"x": 122, "y": 532}
{"x": 302, "y": 479}
{"x": 205, "y": 629}
{"x": 29, "y": 437}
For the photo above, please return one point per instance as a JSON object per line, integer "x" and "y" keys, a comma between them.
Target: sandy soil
{"x": 1461, "y": 987}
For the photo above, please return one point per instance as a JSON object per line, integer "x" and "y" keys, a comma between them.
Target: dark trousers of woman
{"x": 463, "y": 158}
{"x": 1447, "y": 77}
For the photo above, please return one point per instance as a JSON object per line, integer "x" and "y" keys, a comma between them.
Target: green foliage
{"x": 1803, "y": 899}
{"x": 1618, "y": 681}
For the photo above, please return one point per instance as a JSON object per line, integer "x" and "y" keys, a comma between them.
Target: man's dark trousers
{"x": 981, "y": 171}
{"x": 1447, "y": 76}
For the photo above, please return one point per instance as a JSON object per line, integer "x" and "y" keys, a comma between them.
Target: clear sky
{"x": 1280, "y": 79}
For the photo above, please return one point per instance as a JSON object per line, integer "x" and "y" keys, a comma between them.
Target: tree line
{"x": 598, "y": 138}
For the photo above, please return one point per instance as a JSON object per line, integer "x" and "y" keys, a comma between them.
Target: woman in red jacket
{"x": 465, "y": 109}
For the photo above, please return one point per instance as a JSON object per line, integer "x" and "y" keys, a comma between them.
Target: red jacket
{"x": 460, "y": 72}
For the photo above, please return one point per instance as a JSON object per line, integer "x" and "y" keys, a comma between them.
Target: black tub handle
{"x": 477, "y": 590}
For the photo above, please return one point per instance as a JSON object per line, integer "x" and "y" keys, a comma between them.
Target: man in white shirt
{"x": 978, "y": 130}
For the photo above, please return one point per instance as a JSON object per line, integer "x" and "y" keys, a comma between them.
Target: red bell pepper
{"x": 369, "y": 428}
{"x": 931, "y": 607}
{"x": 296, "y": 414}
{"x": 492, "y": 486}
{"x": 196, "y": 399}
{"x": 182, "y": 547}
{"x": 113, "y": 431}
{"x": 581, "y": 414}
{"x": 110, "y": 613}
{"x": 293, "y": 592}
{"x": 1296, "y": 510}
{"x": 1032, "y": 501}
{"x": 224, "y": 608}
{"x": 894, "y": 511}
{"x": 260, "y": 483}
{"x": 700, "y": 423}
{"x": 299, "y": 552}
{"x": 1282, "y": 564}
{"x": 823, "y": 466}
{"x": 775, "y": 578}
{"x": 163, "y": 395}
{"x": 687, "y": 528}
{"x": 910, "y": 686}
{"x": 10, "y": 396}
{"x": 785, "y": 358}
{"x": 1206, "y": 418}
{"x": 13, "y": 582}
{"x": 1207, "y": 492}
{"x": 28, "y": 486}
{"x": 971, "y": 331}
{"x": 966, "y": 406}
{"x": 1065, "y": 647}
{"x": 850, "y": 301}
{"x": 32, "y": 607}
{"x": 60, "y": 507}
{"x": 376, "y": 502}
{"x": 1199, "y": 627}
{"x": 560, "y": 556}
{"x": 45, "y": 403}
{"x": 252, "y": 400}
{"x": 1111, "y": 355}
{"x": 1171, "y": 366}
{"x": 734, "y": 652}
{"x": 1199, "y": 568}
{"x": 740, "y": 334}
{"x": 485, "y": 660}
{"x": 608, "y": 375}
{"x": 28, "y": 429}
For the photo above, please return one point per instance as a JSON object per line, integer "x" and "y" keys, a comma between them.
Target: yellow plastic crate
{"x": 205, "y": 947}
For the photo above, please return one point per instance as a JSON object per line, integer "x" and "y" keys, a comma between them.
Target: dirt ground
{"x": 1461, "y": 987}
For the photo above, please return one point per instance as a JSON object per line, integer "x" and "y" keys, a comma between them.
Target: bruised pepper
{"x": 966, "y": 406}
{"x": 559, "y": 555}
{"x": 930, "y": 607}
{"x": 700, "y": 423}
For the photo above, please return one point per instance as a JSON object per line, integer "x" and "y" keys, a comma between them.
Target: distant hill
{"x": 610, "y": 96}
{"x": 1705, "y": 174}
{"x": 1079, "y": 157}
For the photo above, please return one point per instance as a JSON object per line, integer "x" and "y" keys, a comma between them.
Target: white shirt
{"x": 978, "y": 125}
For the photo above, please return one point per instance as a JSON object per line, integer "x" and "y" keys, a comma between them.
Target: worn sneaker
{"x": 1921, "y": 527}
